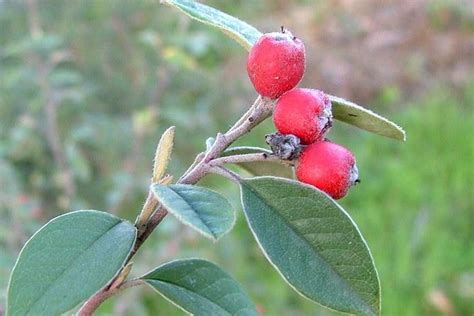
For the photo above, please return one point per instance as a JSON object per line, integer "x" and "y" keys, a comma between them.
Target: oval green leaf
{"x": 260, "y": 168}
{"x": 204, "y": 210}
{"x": 200, "y": 287}
{"x": 68, "y": 260}
{"x": 363, "y": 118}
{"x": 313, "y": 243}
{"x": 242, "y": 32}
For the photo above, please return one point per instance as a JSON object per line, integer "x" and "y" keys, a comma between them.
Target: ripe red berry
{"x": 305, "y": 113}
{"x": 329, "y": 167}
{"x": 276, "y": 63}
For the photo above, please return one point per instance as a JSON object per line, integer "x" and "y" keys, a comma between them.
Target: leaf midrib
{"x": 214, "y": 235}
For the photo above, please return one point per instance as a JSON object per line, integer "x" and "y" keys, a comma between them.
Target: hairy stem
{"x": 203, "y": 164}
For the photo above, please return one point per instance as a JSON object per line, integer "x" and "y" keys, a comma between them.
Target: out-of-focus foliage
{"x": 87, "y": 88}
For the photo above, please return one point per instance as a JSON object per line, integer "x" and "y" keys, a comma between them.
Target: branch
{"x": 261, "y": 111}
{"x": 258, "y": 112}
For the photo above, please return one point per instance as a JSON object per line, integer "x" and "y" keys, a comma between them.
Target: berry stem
{"x": 248, "y": 158}
{"x": 232, "y": 176}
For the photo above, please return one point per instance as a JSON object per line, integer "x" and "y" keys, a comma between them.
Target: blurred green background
{"x": 88, "y": 86}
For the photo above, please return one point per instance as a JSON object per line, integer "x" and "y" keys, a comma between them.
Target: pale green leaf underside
{"x": 313, "y": 243}
{"x": 363, "y": 118}
{"x": 204, "y": 210}
{"x": 260, "y": 168}
{"x": 68, "y": 260}
{"x": 245, "y": 34}
{"x": 200, "y": 287}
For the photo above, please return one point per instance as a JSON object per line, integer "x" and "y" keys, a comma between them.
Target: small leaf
{"x": 313, "y": 243}
{"x": 363, "y": 118}
{"x": 260, "y": 168}
{"x": 245, "y": 34}
{"x": 204, "y": 210}
{"x": 163, "y": 154}
{"x": 68, "y": 260}
{"x": 200, "y": 287}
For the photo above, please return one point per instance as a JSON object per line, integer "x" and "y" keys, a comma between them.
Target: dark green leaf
{"x": 363, "y": 118}
{"x": 200, "y": 287}
{"x": 205, "y": 210}
{"x": 243, "y": 33}
{"x": 313, "y": 243}
{"x": 68, "y": 260}
{"x": 260, "y": 168}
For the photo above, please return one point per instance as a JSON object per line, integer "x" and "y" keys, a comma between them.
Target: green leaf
{"x": 363, "y": 118}
{"x": 204, "y": 210}
{"x": 200, "y": 287}
{"x": 245, "y": 34}
{"x": 260, "y": 168}
{"x": 313, "y": 243}
{"x": 67, "y": 261}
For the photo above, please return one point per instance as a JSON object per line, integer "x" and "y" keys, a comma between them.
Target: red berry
{"x": 305, "y": 113}
{"x": 276, "y": 63}
{"x": 329, "y": 167}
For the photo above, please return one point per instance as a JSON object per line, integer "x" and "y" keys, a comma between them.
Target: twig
{"x": 197, "y": 160}
{"x": 261, "y": 110}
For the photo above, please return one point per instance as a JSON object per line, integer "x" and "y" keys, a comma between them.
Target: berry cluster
{"x": 275, "y": 65}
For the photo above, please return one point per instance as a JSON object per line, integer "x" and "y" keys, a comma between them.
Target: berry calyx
{"x": 286, "y": 147}
{"x": 329, "y": 167}
{"x": 305, "y": 113}
{"x": 276, "y": 63}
